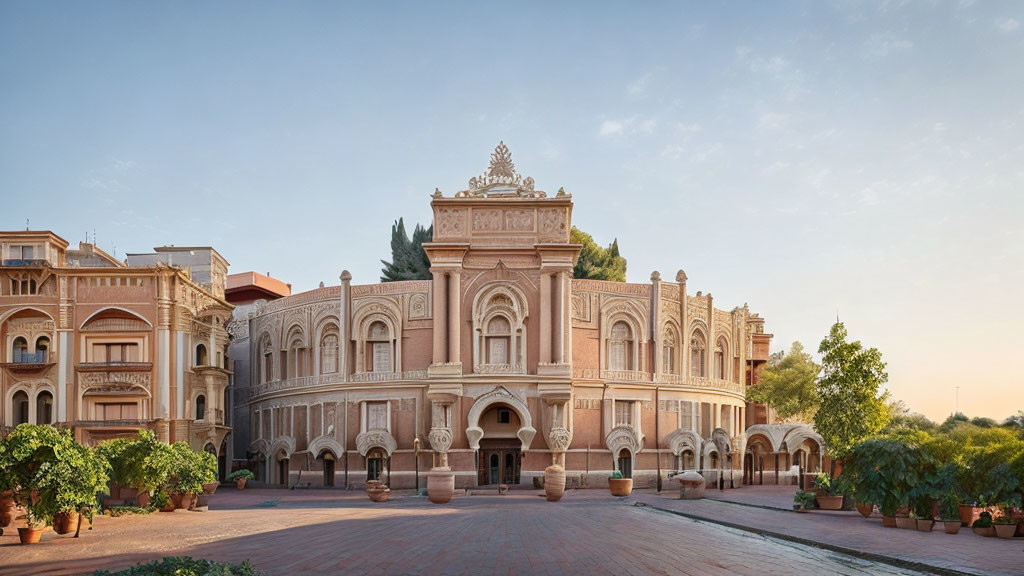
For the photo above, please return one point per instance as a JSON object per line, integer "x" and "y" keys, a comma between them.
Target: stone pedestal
{"x": 440, "y": 485}
{"x": 691, "y": 485}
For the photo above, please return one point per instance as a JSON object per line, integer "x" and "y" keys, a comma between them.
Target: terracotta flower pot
{"x": 240, "y": 483}
{"x": 906, "y": 522}
{"x": 440, "y": 485}
{"x": 888, "y": 521}
{"x": 170, "y": 507}
{"x": 620, "y": 486}
{"x": 986, "y": 532}
{"x": 210, "y": 488}
{"x": 142, "y": 500}
{"x": 865, "y": 508}
{"x": 925, "y": 524}
{"x": 951, "y": 526}
{"x": 1005, "y": 530}
{"x": 968, "y": 514}
{"x": 183, "y": 501}
{"x": 65, "y": 522}
{"x": 554, "y": 482}
{"x": 830, "y": 502}
{"x": 29, "y": 535}
{"x": 6, "y": 509}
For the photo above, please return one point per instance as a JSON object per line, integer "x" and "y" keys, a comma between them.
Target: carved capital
{"x": 440, "y": 439}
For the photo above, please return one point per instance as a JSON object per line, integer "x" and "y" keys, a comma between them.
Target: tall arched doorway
{"x": 625, "y": 463}
{"x": 500, "y": 448}
{"x": 328, "y": 463}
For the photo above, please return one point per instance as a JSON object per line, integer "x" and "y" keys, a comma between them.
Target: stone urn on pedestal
{"x": 441, "y": 479}
{"x": 554, "y": 475}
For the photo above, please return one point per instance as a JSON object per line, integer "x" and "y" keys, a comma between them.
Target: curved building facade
{"x": 500, "y": 364}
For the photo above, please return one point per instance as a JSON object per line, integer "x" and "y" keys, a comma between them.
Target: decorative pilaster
{"x": 454, "y": 317}
{"x": 545, "y": 317}
{"x": 439, "y": 315}
{"x": 346, "y": 324}
{"x": 684, "y": 345}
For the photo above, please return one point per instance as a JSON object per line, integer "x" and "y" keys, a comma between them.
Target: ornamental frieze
{"x": 611, "y": 287}
{"x": 390, "y": 288}
{"x": 450, "y": 222}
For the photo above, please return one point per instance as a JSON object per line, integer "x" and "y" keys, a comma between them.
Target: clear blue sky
{"x": 809, "y": 158}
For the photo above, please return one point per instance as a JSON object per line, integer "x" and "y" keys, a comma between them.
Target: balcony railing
{"x": 328, "y": 379}
{"x": 25, "y": 262}
{"x": 212, "y": 416}
{"x": 714, "y": 384}
{"x": 122, "y": 423}
{"x": 99, "y": 366}
{"x": 26, "y": 358}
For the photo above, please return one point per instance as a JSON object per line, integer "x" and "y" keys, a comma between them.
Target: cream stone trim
{"x": 499, "y": 395}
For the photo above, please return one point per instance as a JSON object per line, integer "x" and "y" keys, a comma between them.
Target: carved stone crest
{"x": 501, "y": 179}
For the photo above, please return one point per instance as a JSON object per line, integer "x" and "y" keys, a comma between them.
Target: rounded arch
{"x": 115, "y": 309}
{"x": 499, "y": 395}
{"x": 800, "y": 435}
{"x": 773, "y": 433}
{"x": 697, "y": 348}
{"x": 684, "y": 439}
{"x": 321, "y": 444}
{"x": 670, "y": 346}
{"x": 295, "y": 333}
{"x": 284, "y": 444}
{"x": 386, "y": 312}
{"x": 496, "y": 304}
{"x": 6, "y": 315}
{"x": 202, "y": 356}
{"x": 260, "y": 446}
{"x": 722, "y": 357}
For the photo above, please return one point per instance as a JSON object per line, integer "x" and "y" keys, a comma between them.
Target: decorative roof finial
{"x": 501, "y": 180}
{"x": 501, "y": 162}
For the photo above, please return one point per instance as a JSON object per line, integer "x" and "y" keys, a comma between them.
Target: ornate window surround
{"x": 487, "y": 304}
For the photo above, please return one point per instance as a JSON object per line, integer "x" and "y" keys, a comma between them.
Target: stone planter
{"x": 554, "y": 482}
{"x": 6, "y": 509}
{"x": 691, "y": 485}
{"x": 830, "y": 502}
{"x": 29, "y": 535}
{"x": 183, "y": 501}
{"x": 377, "y": 491}
{"x": 65, "y": 522}
{"x": 951, "y": 526}
{"x": 620, "y": 486}
{"x": 986, "y": 532}
{"x": 240, "y": 483}
{"x": 906, "y": 522}
{"x": 440, "y": 485}
{"x": 865, "y": 509}
{"x": 888, "y": 521}
{"x": 1005, "y": 530}
{"x": 925, "y": 524}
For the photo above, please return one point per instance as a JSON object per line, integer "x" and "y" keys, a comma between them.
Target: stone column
{"x": 163, "y": 350}
{"x": 346, "y": 324}
{"x": 439, "y": 315}
{"x": 65, "y": 359}
{"x": 559, "y": 320}
{"x": 545, "y": 318}
{"x": 684, "y": 345}
{"x": 454, "y": 317}
{"x": 654, "y": 355}
{"x": 181, "y": 355}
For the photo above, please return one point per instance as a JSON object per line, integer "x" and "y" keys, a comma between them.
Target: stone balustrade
{"x": 329, "y": 379}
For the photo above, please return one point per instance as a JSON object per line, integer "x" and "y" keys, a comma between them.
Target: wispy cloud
{"x": 1007, "y": 25}
{"x": 883, "y": 44}
{"x": 633, "y": 125}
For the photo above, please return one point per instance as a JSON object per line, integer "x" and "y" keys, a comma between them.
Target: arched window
{"x": 20, "y": 350}
{"x": 20, "y": 407}
{"x": 498, "y": 340}
{"x": 44, "y": 408}
{"x": 201, "y": 356}
{"x": 42, "y": 349}
{"x": 200, "y": 407}
{"x": 620, "y": 347}
{"x": 329, "y": 353}
{"x": 720, "y": 355}
{"x": 267, "y": 366}
{"x": 698, "y": 356}
{"x": 379, "y": 343}
{"x": 668, "y": 352}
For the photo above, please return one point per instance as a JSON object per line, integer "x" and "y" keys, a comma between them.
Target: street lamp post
{"x": 416, "y": 451}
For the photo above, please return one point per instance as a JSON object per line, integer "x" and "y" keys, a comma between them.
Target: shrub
{"x": 160, "y": 499}
{"x": 184, "y": 566}
{"x": 190, "y": 469}
{"x": 885, "y": 471}
{"x": 142, "y": 462}
{"x": 243, "y": 473}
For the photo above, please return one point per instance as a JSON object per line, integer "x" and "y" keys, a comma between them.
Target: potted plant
{"x": 948, "y": 511}
{"x": 190, "y": 470}
{"x": 883, "y": 471}
{"x": 828, "y": 499}
{"x": 620, "y": 486}
{"x": 8, "y": 485}
{"x": 983, "y": 525}
{"x": 161, "y": 501}
{"x": 803, "y": 500}
{"x": 240, "y": 477}
{"x": 138, "y": 466}
{"x": 923, "y": 515}
{"x": 1005, "y": 525}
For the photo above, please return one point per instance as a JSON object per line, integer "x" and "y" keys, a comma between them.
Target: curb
{"x": 890, "y": 560}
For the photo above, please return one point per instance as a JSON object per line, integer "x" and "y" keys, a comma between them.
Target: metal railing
{"x": 26, "y": 358}
{"x": 25, "y": 262}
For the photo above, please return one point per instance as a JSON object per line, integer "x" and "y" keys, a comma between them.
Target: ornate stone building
{"x": 501, "y": 364}
{"x": 106, "y": 347}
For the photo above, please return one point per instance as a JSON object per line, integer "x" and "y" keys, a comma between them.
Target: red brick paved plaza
{"x": 587, "y": 532}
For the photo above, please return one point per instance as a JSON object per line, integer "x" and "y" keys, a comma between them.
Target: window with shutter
{"x": 377, "y": 416}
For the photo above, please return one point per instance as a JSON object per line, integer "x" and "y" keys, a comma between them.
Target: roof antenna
{"x": 26, "y": 224}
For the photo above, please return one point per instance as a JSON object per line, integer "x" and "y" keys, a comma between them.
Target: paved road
{"x": 519, "y": 534}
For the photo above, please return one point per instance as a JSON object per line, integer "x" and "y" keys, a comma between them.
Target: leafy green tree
{"x": 901, "y": 418}
{"x": 982, "y": 422}
{"x": 788, "y": 385}
{"x": 852, "y": 407}
{"x": 952, "y": 421}
{"x": 408, "y": 259}
{"x": 595, "y": 262}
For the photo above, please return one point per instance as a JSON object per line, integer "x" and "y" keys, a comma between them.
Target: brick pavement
{"x": 333, "y": 531}
{"x": 963, "y": 552}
